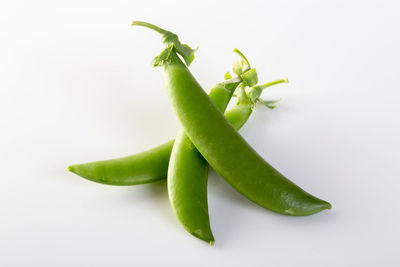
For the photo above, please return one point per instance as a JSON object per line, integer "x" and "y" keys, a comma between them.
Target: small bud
{"x": 237, "y": 67}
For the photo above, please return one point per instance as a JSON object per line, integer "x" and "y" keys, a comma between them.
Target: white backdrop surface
{"x": 76, "y": 85}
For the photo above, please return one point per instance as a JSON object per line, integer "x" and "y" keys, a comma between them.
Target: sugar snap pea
{"x": 187, "y": 181}
{"x": 224, "y": 149}
{"x": 142, "y": 168}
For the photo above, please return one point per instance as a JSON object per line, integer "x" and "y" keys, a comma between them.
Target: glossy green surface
{"x": 187, "y": 188}
{"x": 145, "y": 167}
{"x": 187, "y": 176}
{"x": 226, "y": 151}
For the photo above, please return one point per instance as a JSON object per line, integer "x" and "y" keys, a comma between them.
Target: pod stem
{"x": 170, "y": 39}
{"x": 255, "y": 92}
{"x": 150, "y": 26}
{"x": 265, "y": 85}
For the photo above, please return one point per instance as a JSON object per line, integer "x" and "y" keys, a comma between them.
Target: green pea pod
{"x": 226, "y": 151}
{"x": 142, "y": 168}
{"x": 187, "y": 178}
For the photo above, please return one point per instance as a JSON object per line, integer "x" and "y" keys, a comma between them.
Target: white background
{"x": 76, "y": 85}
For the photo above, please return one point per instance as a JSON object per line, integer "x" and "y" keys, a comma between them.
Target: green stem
{"x": 265, "y": 85}
{"x": 150, "y": 26}
{"x": 169, "y": 39}
{"x": 255, "y": 92}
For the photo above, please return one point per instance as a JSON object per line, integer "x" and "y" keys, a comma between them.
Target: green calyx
{"x": 243, "y": 70}
{"x": 246, "y": 76}
{"x": 254, "y": 93}
{"x": 269, "y": 103}
{"x": 171, "y": 41}
{"x": 249, "y": 79}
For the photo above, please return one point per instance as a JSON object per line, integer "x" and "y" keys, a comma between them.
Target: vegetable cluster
{"x": 208, "y": 137}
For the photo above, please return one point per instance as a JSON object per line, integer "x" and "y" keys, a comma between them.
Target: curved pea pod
{"x": 226, "y": 151}
{"x": 188, "y": 174}
{"x": 142, "y": 168}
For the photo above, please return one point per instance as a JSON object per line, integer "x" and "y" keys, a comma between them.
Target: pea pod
{"x": 187, "y": 179}
{"x": 225, "y": 150}
{"x": 142, "y": 168}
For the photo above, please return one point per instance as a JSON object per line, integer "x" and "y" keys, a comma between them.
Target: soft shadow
{"x": 155, "y": 193}
{"x": 227, "y": 208}
{"x": 227, "y": 218}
